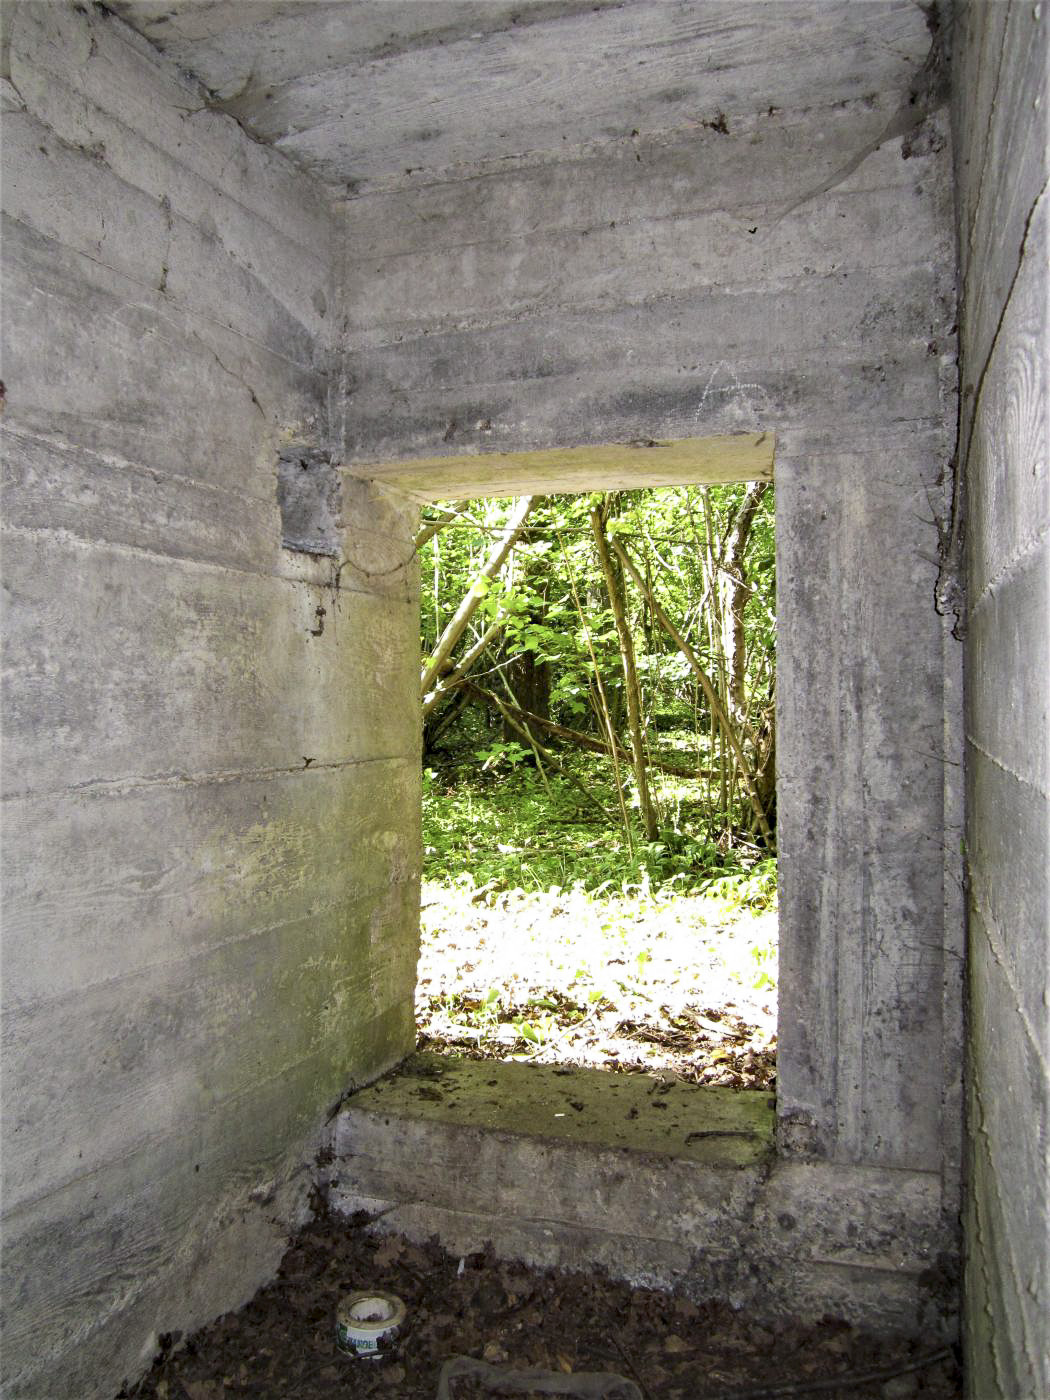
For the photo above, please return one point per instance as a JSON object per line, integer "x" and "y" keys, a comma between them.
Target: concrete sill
{"x": 714, "y": 1127}
{"x": 667, "y": 1185}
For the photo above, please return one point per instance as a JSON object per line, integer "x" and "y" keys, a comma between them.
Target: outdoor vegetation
{"x": 598, "y": 695}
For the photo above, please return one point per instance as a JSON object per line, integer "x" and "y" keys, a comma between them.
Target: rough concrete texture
{"x": 309, "y": 495}
{"x": 210, "y": 801}
{"x": 446, "y": 85}
{"x": 741, "y": 456}
{"x": 717, "y": 1127}
{"x": 1002, "y": 142}
{"x": 785, "y": 272}
{"x": 669, "y": 1186}
{"x": 705, "y": 221}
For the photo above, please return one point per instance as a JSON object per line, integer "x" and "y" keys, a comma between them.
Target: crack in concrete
{"x": 1022, "y": 253}
{"x": 10, "y": 82}
{"x": 971, "y": 232}
{"x": 59, "y": 445}
{"x": 996, "y": 950}
{"x": 185, "y": 308}
{"x": 122, "y": 787}
{"x": 1015, "y": 1274}
{"x": 981, "y": 1232}
{"x": 1005, "y": 768}
{"x": 950, "y": 590}
{"x": 1029, "y": 550}
{"x": 927, "y": 93}
{"x": 232, "y": 373}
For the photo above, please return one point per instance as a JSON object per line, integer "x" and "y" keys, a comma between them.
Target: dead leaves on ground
{"x": 281, "y": 1345}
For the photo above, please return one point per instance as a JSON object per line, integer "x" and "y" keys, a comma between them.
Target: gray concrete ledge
{"x": 714, "y": 1126}
{"x": 580, "y": 1169}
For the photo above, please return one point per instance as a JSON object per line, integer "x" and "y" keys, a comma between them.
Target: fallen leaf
{"x": 203, "y": 1390}
{"x": 392, "y": 1249}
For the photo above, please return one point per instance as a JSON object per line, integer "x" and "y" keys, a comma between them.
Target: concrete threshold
{"x": 636, "y": 1113}
{"x": 662, "y": 1184}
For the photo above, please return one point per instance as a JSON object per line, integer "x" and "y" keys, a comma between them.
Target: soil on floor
{"x": 281, "y": 1345}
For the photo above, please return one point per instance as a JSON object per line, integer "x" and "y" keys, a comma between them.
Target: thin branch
{"x": 446, "y": 643}
{"x": 491, "y": 699}
{"x": 434, "y": 525}
{"x": 630, "y": 672}
{"x": 848, "y": 1381}
{"x": 717, "y": 709}
{"x": 593, "y": 745}
{"x": 605, "y": 716}
{"x": 534, "y": 743}
{"x": 447, "y": 683}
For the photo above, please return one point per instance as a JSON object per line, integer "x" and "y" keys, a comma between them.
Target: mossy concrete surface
{"x": 697, "y": 1123}
{"x": 662, "y": 1184}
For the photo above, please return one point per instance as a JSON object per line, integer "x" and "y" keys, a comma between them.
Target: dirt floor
{"x": 281, "y": 1345}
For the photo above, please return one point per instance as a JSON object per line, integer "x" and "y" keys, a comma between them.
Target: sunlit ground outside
{"x": 537, "y": 946}
{"x": 598, "y": 704}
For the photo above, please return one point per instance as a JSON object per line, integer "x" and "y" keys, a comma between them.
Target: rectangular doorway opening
{"x": 599, "y": 675}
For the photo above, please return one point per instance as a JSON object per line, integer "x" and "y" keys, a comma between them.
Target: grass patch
{"x": 547, "y": 937}
{"x": 504, "y": 825}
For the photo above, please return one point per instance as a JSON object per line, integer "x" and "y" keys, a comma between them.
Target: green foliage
{"x": 504, "y": 829}
{"x": 550, "y": 604}
{"x": 552, "y": 927}
{"x": 754, "y": 888}
{"x": 510, "y": 754}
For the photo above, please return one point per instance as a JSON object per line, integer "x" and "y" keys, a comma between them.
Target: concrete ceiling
{"x": 369, "y": 92}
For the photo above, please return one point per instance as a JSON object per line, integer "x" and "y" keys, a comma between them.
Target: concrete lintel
{"x": 746, "y": 456}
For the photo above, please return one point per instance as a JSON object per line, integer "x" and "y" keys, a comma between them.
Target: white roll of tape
{"x": 367, "y": 1319}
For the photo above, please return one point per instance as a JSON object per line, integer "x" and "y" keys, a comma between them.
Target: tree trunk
{"x": 436, "y": 724}
{"x": 446, "y": 643}
{"x": 766, "y": 777}
{"x": 630, "y": 676}
{"x": 717, "y": 708}
{"x": 530, "y": 684}
{"x": 735, "y": 592}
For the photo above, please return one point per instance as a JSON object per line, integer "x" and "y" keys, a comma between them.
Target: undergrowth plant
{"x": 499, "y": 823}
{"x": 545, "y": 938}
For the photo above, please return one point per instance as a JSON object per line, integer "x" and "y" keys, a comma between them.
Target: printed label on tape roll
{"x": 367, "y": 1322}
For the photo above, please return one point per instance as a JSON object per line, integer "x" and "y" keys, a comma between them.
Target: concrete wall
{"x": 210, "y": 810}
{"x": 787, "y": 271}
{"x": 211, "y": 742}
{"x": 1001, "y": 106}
